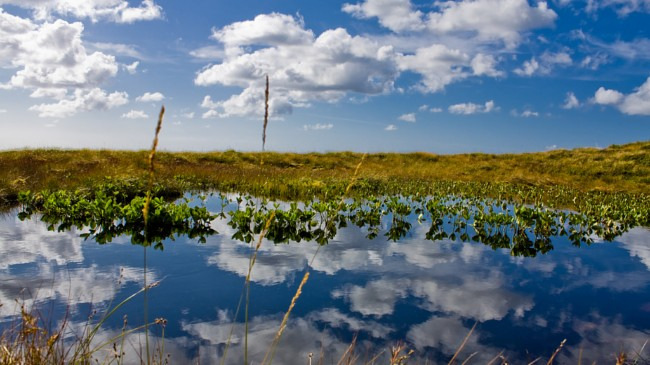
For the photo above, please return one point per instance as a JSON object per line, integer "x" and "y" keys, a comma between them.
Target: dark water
{"x": 427, "y": 294}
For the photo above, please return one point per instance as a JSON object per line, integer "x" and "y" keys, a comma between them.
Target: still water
{"x": 425, "y": 293}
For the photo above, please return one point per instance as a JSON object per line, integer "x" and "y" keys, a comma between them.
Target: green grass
{"x": 624, "y": 168}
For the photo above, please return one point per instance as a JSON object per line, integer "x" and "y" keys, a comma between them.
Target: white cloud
{"x": 503, "y": 20}
{"x": 438, "y": 65}
{"x": 485, "y": 65}
{"x": 423, "y": 108}
{"x": 135, "y": 114}
{"x": 488, "y": 20}
{"x": 622, "y": 7}
{"x": 189, "y": 115}
{"x": 390, "y": 127}
{"x": 132, "y": 68}
{"x": 304, "y": 67}
{"x": 471, "y": 108}
{"x": 208, "y": 52}
{"x": 547, "y": 61}
{"x": 51, "y": 60}
{"x": 150, "y": 97}
{"x": 334, "y": 318}
{"x": 527, "y": 113}
{"x": 2, "y": 111}
{"x": 50, "y": 93}
{"x": 636, "y": 103}
{"x": 637, "y": 49}
{"x": 301, "y": 67}
{"x": 410, "y": 117}
{"x": 81, "y": 100}
{"x": 51, "y": 55}
{"x": 608, "y": 97}
{"x": 571, "y": 101}
{"x": 635, "y": 241}
{"x": 396, "y": 15}
{"x": 119, "y": 49}
{"x": 594, "y": 62}
{"x": 318, "y": 127}
{"x": 435, "y": 110}
{"x": 117, "y": 11}
{"x": 266, "y": 29}
{"x": 528, "y": 68}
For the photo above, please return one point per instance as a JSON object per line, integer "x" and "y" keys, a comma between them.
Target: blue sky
{"x": 364, "y": 75}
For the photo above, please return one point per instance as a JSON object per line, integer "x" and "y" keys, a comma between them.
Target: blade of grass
{"x": 145, "y": 214}
{"x": 463, "y": 344}
{"x": 283, "y": 325}
{"x": 550, "y": 361}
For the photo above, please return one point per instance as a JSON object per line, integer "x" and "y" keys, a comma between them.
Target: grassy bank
{"x": 624, "y": 168}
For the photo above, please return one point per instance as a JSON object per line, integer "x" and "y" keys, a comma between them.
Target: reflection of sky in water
{"x": 427, "y": 293}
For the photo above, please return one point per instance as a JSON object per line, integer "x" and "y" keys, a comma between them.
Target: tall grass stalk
{"x": 145, "y": 214}
{"x": 557, "y": 351}
{"x": 266, "y": 112}
{"x": 462, "y": 345}
{"x": 283, "y": 325}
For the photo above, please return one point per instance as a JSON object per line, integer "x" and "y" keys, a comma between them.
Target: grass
{"x": 624, "y": 168}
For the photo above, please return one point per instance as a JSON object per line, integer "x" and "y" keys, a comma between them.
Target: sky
{"x": 495, "y": 76}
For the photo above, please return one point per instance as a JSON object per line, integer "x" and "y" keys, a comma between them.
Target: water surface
{"x": 426, "y": 293}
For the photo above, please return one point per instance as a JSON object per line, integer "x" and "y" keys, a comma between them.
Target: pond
{"x": 427, "y": 293}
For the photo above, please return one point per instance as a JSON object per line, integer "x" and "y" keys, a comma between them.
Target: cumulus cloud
{"x": 443, "y": 47}
{"x": 266, "y": 29}
{"x": 503, "y": 20}
{"x": 51, "y": 55}
{"x": 317, "y": 127}
{"x": 471, "y": 108}
{"x": 489, "y": 20}
{"x": 81, "y": 100}
{"x": 547, "y": 62}
{"x": 438, "y": 65}
{"x": 390, "y": 128}
{"x": 635, "y": 103}
{"x": 485, "y": 65}
{"x": 571, "y": 101}
{"x": 301, "y": 67}
{"x": 150, "y": 97}
{"x": 410, "y": 117}
{"x": 118, "y": 11}
{"x": 396, "y": 15}
{"x": 51, "y": 60}
{"x": 135, "y": 114}
{"x": 607, "y": 96}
